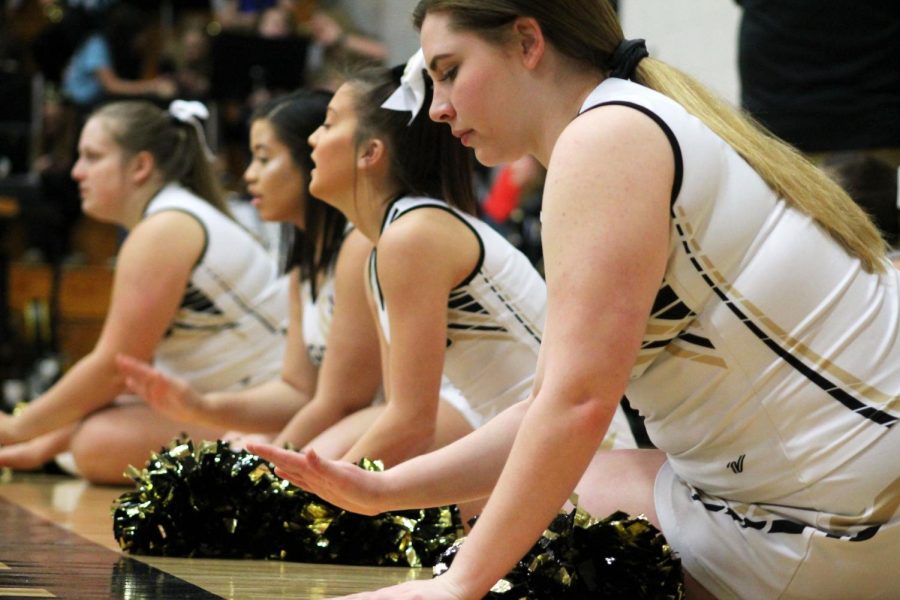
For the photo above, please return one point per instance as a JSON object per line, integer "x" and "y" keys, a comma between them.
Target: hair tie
{"x": 191, "y": 112}
{"x": 411, "y": 94}
{"x": 626, "y": 57}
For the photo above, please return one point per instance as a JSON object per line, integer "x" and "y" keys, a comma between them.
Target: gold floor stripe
{"x": 25, "y": 593}
{"x": 4, "y": 567}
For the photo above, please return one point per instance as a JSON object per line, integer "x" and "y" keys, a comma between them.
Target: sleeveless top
{"x": 495, "y": 317}
{"x": 317, "y": 315}
{"x": 770, "y": 367}
{"x": 229, "y": 331}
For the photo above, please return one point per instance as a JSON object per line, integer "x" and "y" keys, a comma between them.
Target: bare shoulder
{"x": 614, "y": 138}
{"x": 423, "y": 230}
{"x": 433, "y": 243}
{"x": 166, "y": 237}
{"x": 354, "y": 251}
{"x": 350, "y": 267}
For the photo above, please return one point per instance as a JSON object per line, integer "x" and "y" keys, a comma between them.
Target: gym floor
{"x": 56, "y": 541}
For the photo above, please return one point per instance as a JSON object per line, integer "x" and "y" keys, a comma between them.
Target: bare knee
{"x": 97, "y": 450}
{"x": 621, "y": 480}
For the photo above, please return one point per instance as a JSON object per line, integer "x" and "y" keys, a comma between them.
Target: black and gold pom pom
{"x": 209, "y": 501}
{"x": 580, "y": 558}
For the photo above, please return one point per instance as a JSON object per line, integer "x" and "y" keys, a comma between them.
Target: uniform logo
{"x": 737, "y": 466}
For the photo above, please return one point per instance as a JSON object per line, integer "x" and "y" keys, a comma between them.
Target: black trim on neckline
{"x": 387, "y": 211}
{"x": 431, "y": 203}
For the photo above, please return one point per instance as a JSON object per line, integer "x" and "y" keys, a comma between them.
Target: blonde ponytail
{"x": 790, "y": 174}
{"x": 588, "y": 32}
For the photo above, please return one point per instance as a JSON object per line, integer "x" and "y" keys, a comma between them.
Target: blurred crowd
{"x": 60, "y": 59}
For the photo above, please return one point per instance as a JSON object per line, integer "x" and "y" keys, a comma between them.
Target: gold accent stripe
{"x": 4, "y": 567}
{"x": 848, "y": 379}
{"x": 11, "y": 592}
{"x": 714, "y": 361}
{"x": 665, "y": 329}
{"x": 791, "y": 344}
{"x": 461, "y": 334}
{"x": 645, "y": 357}
{"x": 609, "y": 442}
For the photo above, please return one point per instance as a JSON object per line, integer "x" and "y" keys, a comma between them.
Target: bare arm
{"x": 349, "y": 376}
{"x": 464, "y": 470}
{"x": 420, "y": 259}
{"x": 147, "y": 290}
{"x": 605, "y": 231}
{"x": 264, "y": 409}
{"x": 116, "y": 86}
{"x": 329, "y": 32}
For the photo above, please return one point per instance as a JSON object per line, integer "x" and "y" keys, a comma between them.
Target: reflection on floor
{"x": 42, "y": 560}
{"x": 56, "y": 541}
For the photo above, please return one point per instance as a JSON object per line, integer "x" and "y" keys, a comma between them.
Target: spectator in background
{"x": 337, "y": 45}
{"x": 110, "y": 63}
{"x": 334, "y": 44}
{"x": 107, "y": 63}
{"x": 240, "y": 14}
{"x": 328, "y": 25}
{"x": 187, "y": 61}
{"x": 332, "y": 31}
{"x": 276, "y": 22}
{"x": 69, "y": 23}
{"x": 251, "y": 84}
{"x": 823, "y": 76}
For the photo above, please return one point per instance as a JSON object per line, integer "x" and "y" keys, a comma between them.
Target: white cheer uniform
{"x": 229, "y": 331}
{"x": 317, "y": 315}
{"x": 769, "y": 374}
{"x": 495, "y": 319}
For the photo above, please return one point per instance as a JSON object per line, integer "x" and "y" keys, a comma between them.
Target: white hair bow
{"x": 190, "y": 112}
{"x": 411, "y": 94}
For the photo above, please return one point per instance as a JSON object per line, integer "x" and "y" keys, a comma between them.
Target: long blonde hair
{"x": 588, "y": 32}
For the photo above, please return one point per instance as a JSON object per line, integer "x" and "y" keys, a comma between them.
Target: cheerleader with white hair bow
{"x": 193, "y": 291}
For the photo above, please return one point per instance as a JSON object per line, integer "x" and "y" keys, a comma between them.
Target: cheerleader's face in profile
{"x": 275, "y": 181}
{"x": 478, "y": 89}
{"x": 103, "y": 172}
{"x": 335, "y": 151}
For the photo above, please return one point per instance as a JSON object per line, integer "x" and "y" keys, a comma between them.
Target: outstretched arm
{"x": 605, "y": 232}
{"x": 464, "y": 470}
{"x": 264, "y": 409}
{"x": 147, "y": 290}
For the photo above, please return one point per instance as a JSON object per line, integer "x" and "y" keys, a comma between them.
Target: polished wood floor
{"x": 56, "y": 541}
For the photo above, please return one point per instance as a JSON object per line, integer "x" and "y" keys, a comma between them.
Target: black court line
{"x": 42, "y": 558}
